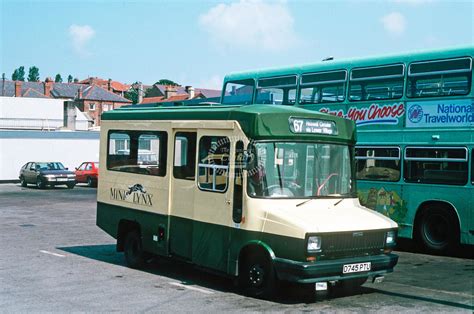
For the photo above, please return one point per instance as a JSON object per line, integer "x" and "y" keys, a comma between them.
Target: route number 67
{"x": 298, "y": 126}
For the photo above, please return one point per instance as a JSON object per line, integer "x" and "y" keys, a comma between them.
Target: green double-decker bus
{"x": 415, "y": 121}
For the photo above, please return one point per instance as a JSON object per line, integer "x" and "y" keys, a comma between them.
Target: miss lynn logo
{"x": 136, "y": 194}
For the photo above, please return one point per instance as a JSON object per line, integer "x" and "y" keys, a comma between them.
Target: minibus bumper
{"x": 331, "y": 270}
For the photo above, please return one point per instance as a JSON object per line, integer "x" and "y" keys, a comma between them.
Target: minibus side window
{"x": 141, "y": 152}
{"x": 238, "y": 182}
{"x": 213, "y": 163}
{"x": 185, "y": 156}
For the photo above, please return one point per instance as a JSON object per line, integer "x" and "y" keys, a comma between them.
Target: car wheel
{"x": 438, "y": 230}
{"x": 39, "y": 183}
{"x": 71, "y": 185}
{"x": 133, "y": 249}
{"x": 257, "y": 276}
{"x": 23, "y": 182}
{"x": 90, "y": 182}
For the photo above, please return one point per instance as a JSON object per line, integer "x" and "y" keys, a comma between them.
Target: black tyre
{"x": 90, "y": 182}
{"x": 257, "y": 276}
{"x": 133, "y": 249}
{"x": 438, "y": 230}
{"x": 71, "y": 185}
{"x": 23, "y": 182}
{"x": 40, "y": 183}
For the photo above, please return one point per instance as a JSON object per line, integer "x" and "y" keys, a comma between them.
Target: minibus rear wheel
{"x": 257, "y": 276}
{"x": 133, "y": 249}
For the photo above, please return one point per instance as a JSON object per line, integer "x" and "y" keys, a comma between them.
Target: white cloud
{"x": 250, "y": 24}
{"x": 80, "y": 36}
{"x": 394, "y": 23}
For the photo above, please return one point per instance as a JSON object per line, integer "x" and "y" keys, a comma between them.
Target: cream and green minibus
{"x": 258, "y": 193}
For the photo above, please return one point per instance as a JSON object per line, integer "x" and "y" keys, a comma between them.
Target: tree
{"x": 132, "y": 93}
{"x": 15, "y": 75}
{"x": 167, "y": 82}
{"x": 19, "y": 74}
{"x": 69, "y": 78}
{"x": 58, "y": 78}
{"x": 33, "y": 74}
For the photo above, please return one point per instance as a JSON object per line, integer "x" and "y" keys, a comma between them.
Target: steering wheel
{"x": 284, "y": 191}
{"x": 335, "y": 174}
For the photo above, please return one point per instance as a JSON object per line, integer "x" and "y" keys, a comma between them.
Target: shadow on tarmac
{"x": 409, "y": 245}
{"x": 187, "y": 274}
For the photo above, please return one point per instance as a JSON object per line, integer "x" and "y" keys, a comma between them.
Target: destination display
{"x": 440, "y": 113}
{"x": 312, "y": 126}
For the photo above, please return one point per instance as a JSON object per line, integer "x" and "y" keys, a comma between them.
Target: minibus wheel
{"x": 257, "y": 276}
{"x": 133, "y": 249}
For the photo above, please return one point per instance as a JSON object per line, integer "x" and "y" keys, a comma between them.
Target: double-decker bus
{"x": 415, "y": 122}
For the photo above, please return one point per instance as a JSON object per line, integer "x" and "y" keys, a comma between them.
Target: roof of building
{"x": 60, "y": 90}
{"x": 259, "y": 122}
{"x": 117, "y": 86}
{"x": 208, "y": 93}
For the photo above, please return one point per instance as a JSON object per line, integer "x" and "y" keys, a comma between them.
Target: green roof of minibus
{"x": 354, "y": 62}
{"x": 259, "y": 122}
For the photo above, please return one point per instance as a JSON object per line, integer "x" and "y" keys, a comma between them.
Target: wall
{"x": 36, "y": 113}
{"x": 71, "y": 148}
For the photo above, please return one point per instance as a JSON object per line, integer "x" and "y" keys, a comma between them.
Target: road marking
{"x": 51, "y": 253}
{"x": 191, "y": 288}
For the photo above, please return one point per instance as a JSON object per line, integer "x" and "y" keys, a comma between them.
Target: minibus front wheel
{"x": 257, "y": 275}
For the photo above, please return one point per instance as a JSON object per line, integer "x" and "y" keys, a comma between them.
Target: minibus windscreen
{"x": 300, "y": 170}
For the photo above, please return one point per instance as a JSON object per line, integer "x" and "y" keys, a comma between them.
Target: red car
{"x": 88, "y": 172}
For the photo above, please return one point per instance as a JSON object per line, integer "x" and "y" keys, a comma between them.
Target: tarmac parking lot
{"x": 54, "y": 258}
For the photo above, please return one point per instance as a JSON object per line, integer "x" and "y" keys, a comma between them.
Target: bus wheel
{"x": 257, "y": 276}
{"x": 438, "y": 230}
{"x": 134, "y": 255}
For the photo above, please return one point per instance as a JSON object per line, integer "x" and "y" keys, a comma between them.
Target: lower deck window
{"x": 436, "y": 165}
{"x": 378, "y": 163}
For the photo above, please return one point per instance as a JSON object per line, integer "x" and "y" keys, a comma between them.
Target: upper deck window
{"x": 277, "y": 90}
{"x": 439, "y": 78}
{"x": 323, "y": 87}
{"x": 377, "y": 83}
{"x": 239, "y": 92}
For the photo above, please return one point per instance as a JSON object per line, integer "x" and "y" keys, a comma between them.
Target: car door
{"x": 30, "y": 173}
{"x": 80, "y": 172}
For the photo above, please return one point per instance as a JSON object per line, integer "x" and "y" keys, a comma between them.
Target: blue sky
{"x": 198, "y": 42}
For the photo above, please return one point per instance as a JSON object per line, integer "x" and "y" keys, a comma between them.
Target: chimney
{"x": 190, "y": 91}
{"x": 18, "y": 88}
{"x": 48, "y": 85}
{"x": 109, "y": 85}
{"x": 170, "y": 91}
{"x": 79, "y": 93}
{"x": 140, "y": 92}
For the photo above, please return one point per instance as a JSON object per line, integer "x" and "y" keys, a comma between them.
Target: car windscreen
{"x": 50, "y": 166}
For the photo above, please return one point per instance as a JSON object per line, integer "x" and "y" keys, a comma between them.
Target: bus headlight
{"x": 314, "y": 244}
{"x": 390, "y": 238}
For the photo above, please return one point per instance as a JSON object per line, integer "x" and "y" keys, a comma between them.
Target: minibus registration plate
{"x": 355, "y": 268}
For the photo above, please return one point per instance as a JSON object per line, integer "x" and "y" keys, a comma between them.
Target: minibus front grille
{"x": 354, "y": 243}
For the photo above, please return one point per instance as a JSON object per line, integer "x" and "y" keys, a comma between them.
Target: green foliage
{"x": 167, "y": 82}
{"x": 69, "y": 78}
{"x": 132, "y": 93}
{"x": 15, "y": 75}
{"x": 19, "y": 74}
{"x": 33, "y": 74}
{"x": 58, "y": 78}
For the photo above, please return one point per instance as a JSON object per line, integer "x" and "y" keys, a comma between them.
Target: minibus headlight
{"x": 390, "y": 238}
{"x": 314, "y": 244}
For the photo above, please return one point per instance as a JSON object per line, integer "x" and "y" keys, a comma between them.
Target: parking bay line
{"x": 51, "y": 253}
{"x": 190, "y": 288}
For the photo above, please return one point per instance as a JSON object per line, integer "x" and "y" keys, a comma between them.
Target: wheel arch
{"x": 252, "y": 246}
{"x": 125, "y": 226}
{"x": 425, "y": 206}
